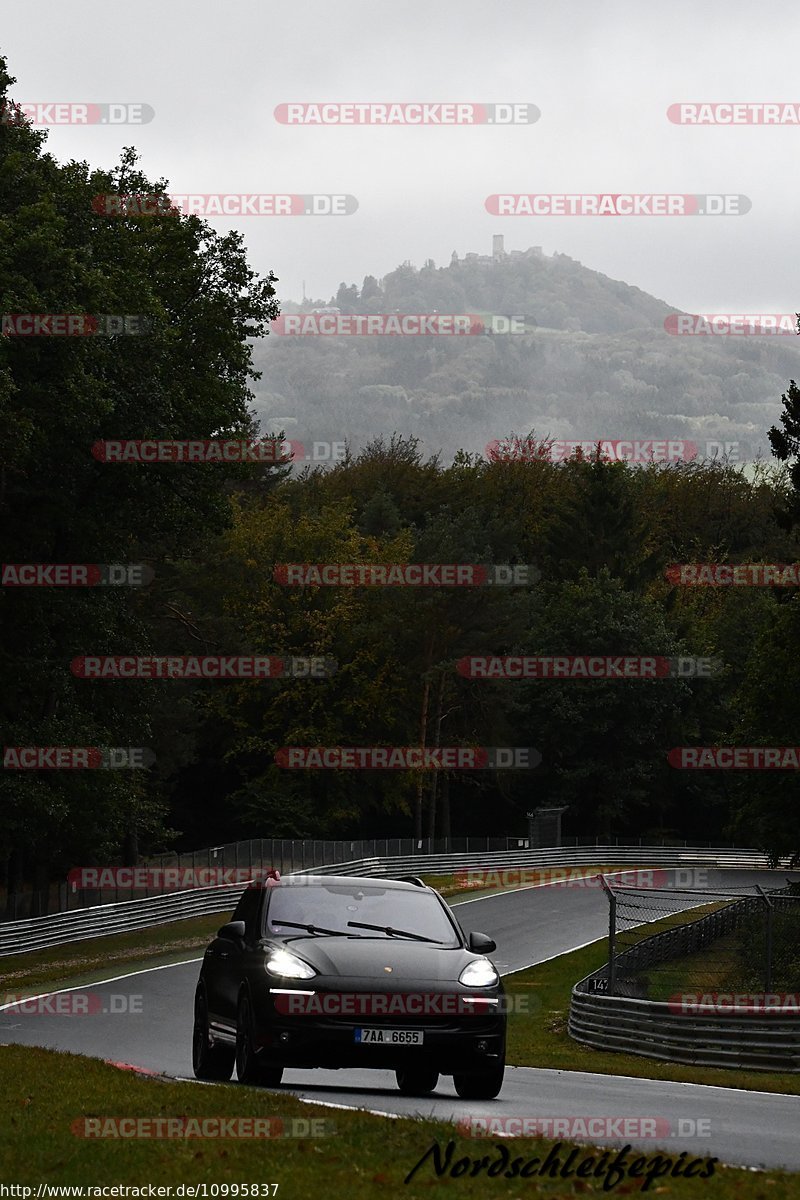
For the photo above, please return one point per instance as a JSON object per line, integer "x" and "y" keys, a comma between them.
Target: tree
{"x": 380, "y": 515}
{"x": 785, "y": 442}
{"x": 767, "y": 810}
{"x": 347, "y": 297}
{"x": 599, "y": 524}
{"x": 362, "y": 703}
{"x": 370, "y": 289}
{"x": 188, "y": 376}
{"x": 603, "y": 742}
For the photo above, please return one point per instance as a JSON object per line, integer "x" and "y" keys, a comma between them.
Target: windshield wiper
{"x": 418, "y": 937}
{"x": 313, "y": 928}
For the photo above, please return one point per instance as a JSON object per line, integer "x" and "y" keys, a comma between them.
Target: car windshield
{"x": 348, "y": 907}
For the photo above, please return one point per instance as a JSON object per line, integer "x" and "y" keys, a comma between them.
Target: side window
{"x": 247, "y": 910}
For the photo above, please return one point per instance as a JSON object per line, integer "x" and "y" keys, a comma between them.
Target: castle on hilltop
{"x": 498, "y": 253}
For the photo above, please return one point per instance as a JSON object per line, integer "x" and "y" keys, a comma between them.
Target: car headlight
{"x": 288, "y": 966}
{"x": 479, "y": 973}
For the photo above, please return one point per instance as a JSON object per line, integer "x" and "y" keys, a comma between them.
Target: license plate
{"x": 389, "y": 1037}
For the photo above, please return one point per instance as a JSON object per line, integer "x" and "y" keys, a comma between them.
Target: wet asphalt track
{"x": 529, "y": 926}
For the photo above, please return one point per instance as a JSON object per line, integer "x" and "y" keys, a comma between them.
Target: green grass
{"x": 715, "y": 967}
{"x": 720, "y": 967}
{"x": 44, "y": 1092}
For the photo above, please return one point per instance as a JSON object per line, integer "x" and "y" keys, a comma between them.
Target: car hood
{"x": 368, "y": 958}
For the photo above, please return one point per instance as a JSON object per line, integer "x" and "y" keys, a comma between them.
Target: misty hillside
{"x": 597, "y": 363}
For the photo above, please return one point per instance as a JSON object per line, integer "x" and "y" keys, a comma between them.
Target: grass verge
{"x": 361, "y": 1156}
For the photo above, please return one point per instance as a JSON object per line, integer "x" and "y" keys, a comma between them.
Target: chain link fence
{"x": 691, "y": 947}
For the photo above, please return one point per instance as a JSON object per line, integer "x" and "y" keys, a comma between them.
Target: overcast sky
{"x": 603, "y": 76}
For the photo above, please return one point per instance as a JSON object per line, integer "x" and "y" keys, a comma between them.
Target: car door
{"x": 225, "y": 964}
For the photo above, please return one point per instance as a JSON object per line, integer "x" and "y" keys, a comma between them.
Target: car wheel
{"x": 248, "y": 1067}
{"x": 417, "y": 1081}
{"x": 208, "y": 1062}
{"x": 480, "y": 1085}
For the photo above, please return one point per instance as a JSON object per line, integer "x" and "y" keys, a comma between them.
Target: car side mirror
{"x": 481, "y": 943}
{"x": 233, "y": 931}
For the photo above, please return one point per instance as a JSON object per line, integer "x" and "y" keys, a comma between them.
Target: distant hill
{"x": 596, "y": 363}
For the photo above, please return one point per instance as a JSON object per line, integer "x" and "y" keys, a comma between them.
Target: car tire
{"x": 208, "y": 1062}
{"x": 480, "y": 1085}
{"x": 417, "y": 1081}
{"x": 248, "y": 1068}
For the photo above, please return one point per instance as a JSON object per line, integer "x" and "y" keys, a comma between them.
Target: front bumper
{"x": 452, "y": 1043}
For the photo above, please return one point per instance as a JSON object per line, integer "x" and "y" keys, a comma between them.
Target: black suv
{"x": 335, "y": 971}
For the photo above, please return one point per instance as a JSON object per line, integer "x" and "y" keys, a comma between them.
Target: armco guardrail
{"x": 646, "y": 856}
{"x": 297, "y": 854}
{"x": 653, "y": 1029}
{"x": 288, "y": 855}
{"x": 703, "y": 1036}
{"x": 63, "y": 928}
{"x": 101, "y": 920}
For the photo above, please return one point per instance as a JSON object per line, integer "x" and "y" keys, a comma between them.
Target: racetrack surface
{"x": 529, "y": 926}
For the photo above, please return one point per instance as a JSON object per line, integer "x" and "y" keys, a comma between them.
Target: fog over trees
{"x": 597, "y": 363}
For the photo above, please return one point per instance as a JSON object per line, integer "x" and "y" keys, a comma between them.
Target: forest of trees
{"x": 600, "y": 534}
{"x": 597, "y": 364}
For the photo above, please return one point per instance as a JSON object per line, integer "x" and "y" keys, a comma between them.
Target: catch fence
{"x": 704, "y": 978}
{"x": 702, "y": 942}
